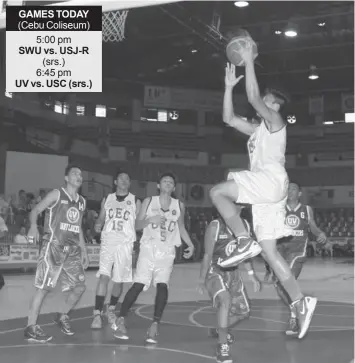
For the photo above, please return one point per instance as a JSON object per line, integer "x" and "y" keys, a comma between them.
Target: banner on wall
{"x": 187, "y": 99}
{"x": 18, "y": 253}
{"x": 93, "y": 255}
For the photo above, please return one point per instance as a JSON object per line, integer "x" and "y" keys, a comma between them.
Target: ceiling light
{"x": 313, "y": 74}
{"x": 193, "y": 50}
{"x": 321, "y": 24}
{"x": 291, "y": 30}
{"x": 278, "y": 32}
{"x": 241, "y": 4}
{"x": 180, "y": 60}
{"x": 291, "y": 33}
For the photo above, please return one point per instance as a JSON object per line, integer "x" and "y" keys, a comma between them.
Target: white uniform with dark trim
{"x": 157, "y": 245}
{"x": 117, "y": 238}
{"x": 265, "y": 184}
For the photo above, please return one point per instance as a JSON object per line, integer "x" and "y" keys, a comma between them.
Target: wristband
{"x": 250, "y": 272}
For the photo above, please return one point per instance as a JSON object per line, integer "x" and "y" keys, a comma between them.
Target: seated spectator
{"x": 21, "y": 237}
{"x": 3, "y": 229}
{"x": 90, "y": 238}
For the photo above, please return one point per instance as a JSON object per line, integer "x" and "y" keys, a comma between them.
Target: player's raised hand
{"x": 33, "y": 234}
{"x": 230, "y": 79}
{"x": 246, "y": 52}
{"x": 189, "y": 251}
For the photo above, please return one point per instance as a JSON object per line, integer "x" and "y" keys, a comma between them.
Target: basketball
{"x": 238, "y": 40}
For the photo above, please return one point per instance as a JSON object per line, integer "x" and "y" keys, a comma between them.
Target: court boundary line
{"x": 193, "y": 304}
{"x": 91, "y": 345}
{"x": 195, "y": 324}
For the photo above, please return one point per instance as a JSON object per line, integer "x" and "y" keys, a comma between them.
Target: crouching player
{"x": 225, "y": 286}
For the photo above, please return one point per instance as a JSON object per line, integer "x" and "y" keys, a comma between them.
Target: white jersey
{"x": 267, "y": 149}
{"x": 168, "y": 232}
{"x": 120, "y": 218}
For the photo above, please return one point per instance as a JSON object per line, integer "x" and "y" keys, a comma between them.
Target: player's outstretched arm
{"x": 210, "y": 241}
{"x": 181, "y": 223}
{"x": 101, "y": 218}
{"x": 138, "y": 205}
{"x": 253, "y": 92}
{"x": 239, "y": 123}
{"x": 49, "y": 200}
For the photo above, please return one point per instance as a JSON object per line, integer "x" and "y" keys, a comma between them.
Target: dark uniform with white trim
{"x": 218, "y": 279}
{"x": 60, "y": 255}
{"x": 294, "y": 248}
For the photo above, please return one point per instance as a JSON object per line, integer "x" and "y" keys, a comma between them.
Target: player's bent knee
{"x": 227, "y": 189}
{"x": 215, "y": 192}
{"x": 223, "y": 299}
{"x": 137, "y": 287}
{"x": 162, "y": 286}
{"x": 104, "y": 278}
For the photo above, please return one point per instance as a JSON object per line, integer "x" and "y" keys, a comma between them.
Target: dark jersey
{"x": 225, "y": 241}
{"x": 298, "y": 220}
{"x": 63, "y": 219}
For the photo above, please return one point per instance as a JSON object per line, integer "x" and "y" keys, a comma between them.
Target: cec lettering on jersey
{"x": 119, "y": 213}
{"x": 118, "y": 216}
{"x": 165, "y": 226}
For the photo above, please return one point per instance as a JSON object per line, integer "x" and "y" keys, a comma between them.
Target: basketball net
{"x": 113, "y": 25}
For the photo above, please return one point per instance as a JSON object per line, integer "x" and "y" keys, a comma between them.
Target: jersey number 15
{"x": 117, "y": 225}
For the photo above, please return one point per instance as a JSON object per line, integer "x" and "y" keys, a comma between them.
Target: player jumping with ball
{"x": 264, "y": 186}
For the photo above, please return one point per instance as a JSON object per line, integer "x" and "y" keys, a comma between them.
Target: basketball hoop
{"x": 113, "y": 25}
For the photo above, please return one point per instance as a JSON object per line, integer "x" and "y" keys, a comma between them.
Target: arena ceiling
{"x": 174, "y": 45}
{"x": 160, "y": 42}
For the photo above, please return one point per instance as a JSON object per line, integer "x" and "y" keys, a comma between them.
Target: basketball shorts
{"x": 218, "y": 280}
{"x": 116, "y": 261}
{"x": 57, "y": 261}
{"x": 294, "y": 252}
{"x": 155, "y": 264}
{"x": 267, "y": 193}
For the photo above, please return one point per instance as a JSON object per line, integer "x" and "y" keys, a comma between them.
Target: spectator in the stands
{"x": 21, "y": 237}
{"x": 3, "y": 230}
{"x": 20, "y": 207}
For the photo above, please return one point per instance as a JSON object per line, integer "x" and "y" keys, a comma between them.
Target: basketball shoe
{"x": 223, "y": 354}
{"x": 121, "y": 330}
{"x": 97, "y": 321}
{"x": 111, "y": 316}
{"x": 292, "y": 328}
{"x": 34, "y": 333}
{"x": 304, "y": 309}
{"x": 62, "y": 320}
{"x": 152, "y": 333}
{"x": 213, "y": 333}
{"x": 245, "y": 248}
